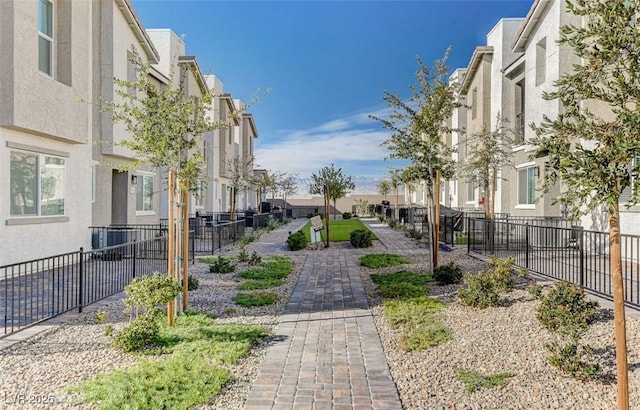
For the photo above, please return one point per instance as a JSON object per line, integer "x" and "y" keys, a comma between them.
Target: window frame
{"x": 49, "y": 38}
{"x": 40, "y": 164}
{"x": 530, "y": 203}
{"x": 140, "y": 207}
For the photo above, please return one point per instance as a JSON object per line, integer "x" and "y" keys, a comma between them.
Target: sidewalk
{"x": 328, "y": 354}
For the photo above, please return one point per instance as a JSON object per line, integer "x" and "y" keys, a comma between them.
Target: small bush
{"x": 535, "y": 290}
{"x": 447, "y": 274}
{"x": 418, "y": 322}
{"x": 255, "y": 259}
{"x": 150, "y": 294}
{"x": 255, "y": 299}
{"x": 570, "y": 359}
{"x": 247, "y": 239}
{"x": 193, "y": 283}
{"x": 272, "y": 224}
{"x": 474, "y": 380}
{"x": 414, "y": 233}
{"x": 222, "y": 265}
{"x": 243, "y": 256}
{"x": 108, "y": 331}
{"x": 361, "y": 238}
{"x": 382, "y": 260}
{"x": 346, "y": 215}
{"x": 138, "y": 334}
{"x": 297, "y": 241}
{"x": 484, "y": 289}
{"x": 101, "y": 316}
{"x": 392, "y": 223}
{"x": 565, "y": 310}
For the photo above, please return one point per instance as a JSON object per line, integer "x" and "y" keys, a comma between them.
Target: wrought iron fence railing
{"x": 560, "y": 252}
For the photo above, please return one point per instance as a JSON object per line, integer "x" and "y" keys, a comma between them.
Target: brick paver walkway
{"x": 327, "y": 353}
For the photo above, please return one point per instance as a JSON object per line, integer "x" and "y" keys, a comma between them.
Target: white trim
{"x": 526, "y": 206}
{"x": 525, "y": 165}
{"x": 145, "y": 213}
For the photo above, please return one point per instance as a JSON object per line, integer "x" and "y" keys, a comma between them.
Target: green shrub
{"x": 565, "y": 311}
{"x": 101, "y": 316}
{"x": 570, "y": 358}
{"x": 474, "y": 380}
{"x": 361, "y": 238}
{"x": 424, "y": 337}
{"x": 535, "y": 290}
{"x": 381, "y": 260}
{"x": 297, "y": 241}
{"x": 254, "y": 299}
{"x": 346, "y": 215}
{"x": 247, "y": 239}
{"x": 413, "y": 233}
{"x": 150, "y": 294}
{"x": 272, "y": 224}
{"x": 137, "y": 335}
{"x": 447, "y": 274}
{"x": 222, "y": 265}
{"x": 193, "y": 282}
{"x": 243, "y": 256}
{"x": 485, "y": 288}
{"x": 255, "y": 259}
{"x": 392, "y": 223}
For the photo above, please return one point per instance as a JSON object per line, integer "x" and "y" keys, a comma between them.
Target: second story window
{"x": 45, "y": 37}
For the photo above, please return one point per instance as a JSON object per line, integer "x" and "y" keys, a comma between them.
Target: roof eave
{"x": 530, "y": 22}
{"x": 470, "y": 71}
{"x": 134, "y": 22}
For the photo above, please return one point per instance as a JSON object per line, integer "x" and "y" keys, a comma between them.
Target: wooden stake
{"x": 185, "y": 246}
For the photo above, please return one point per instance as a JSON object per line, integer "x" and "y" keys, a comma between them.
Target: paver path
{"x": 327, "y": 353}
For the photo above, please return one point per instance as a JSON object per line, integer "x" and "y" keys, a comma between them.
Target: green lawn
{"x": 339, "y": 229}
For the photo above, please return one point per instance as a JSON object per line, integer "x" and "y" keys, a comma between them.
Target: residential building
{"x": 45, "y": 131}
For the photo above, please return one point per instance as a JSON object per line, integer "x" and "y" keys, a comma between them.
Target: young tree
{"x": 593, "y": 154}
{"x": 331, "y": 183}
{"x": 166, "y": 127}
{"x": 487, "y": 152}
{"x": 383, "y": 188}
{"x": 395, "y": 180}
{"x": 417, "y": 126}
{"x": 260, "y": 182}
{"x": 240, "y": 173}
{"x": 409, "y": 178}
{"x": 288, "y": 186}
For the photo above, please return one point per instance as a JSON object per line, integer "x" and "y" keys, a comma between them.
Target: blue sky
{"x": 326, "y": 64}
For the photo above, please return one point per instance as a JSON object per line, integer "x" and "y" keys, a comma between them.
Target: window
{"x": 519, "y": 109}
{"x": 144, "y": 193}
{"x": 471, "y": 191}
{"x": 541, "y": 61}
{"x": 45, "y": 37}
{"x": 526, "y": 186}
{"x": 199, "y": 196}
{"x": 37, "y": 184}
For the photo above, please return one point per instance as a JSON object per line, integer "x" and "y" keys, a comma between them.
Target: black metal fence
{"x": 552, "y": 249}
{"x": 33, "y": 291}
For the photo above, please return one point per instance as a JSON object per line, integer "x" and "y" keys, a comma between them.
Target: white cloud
{"x": 346, "y": 142}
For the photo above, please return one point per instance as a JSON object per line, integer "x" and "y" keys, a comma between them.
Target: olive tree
{"x": 417, "y": 125}
{"x": 593, "y": 145}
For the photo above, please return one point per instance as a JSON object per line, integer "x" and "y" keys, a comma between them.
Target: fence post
{"x": 468, "y": 235}
{"x": 193, "y": 250}
{"x": 526, "y": 245}
{"x": 81, "y": 281}
{"x": 134, "y": 259}
{"x": 582, "y": 255}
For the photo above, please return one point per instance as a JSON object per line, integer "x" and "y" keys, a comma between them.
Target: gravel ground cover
{"x": 497, "y": 340}
{"x": 34, "y": 373}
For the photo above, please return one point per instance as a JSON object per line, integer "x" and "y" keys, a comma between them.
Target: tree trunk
{"x": 335, "y": 210}
{"x": 494, "y": 179}
{"x": 232, "y": 210}
{"x": 171, "y": 240}
{"x": 326, "y": 215}
{"x": 436, "y": 220}
{"x": 618, "y": 308}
